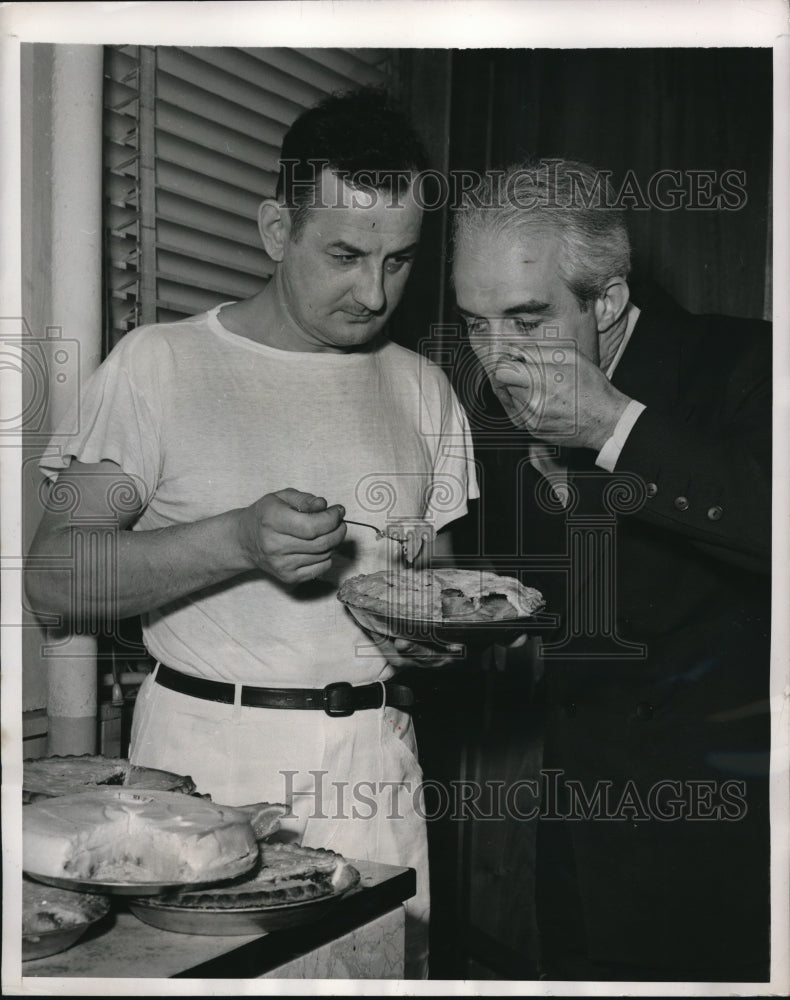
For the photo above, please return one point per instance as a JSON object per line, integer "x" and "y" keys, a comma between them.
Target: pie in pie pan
{"x": 55, "y": 919}
{"x": 291, "y": 885}
{"x": 445, "y": 605}
{"x": 131, "y": 841}
{"x": 48, "y": 777}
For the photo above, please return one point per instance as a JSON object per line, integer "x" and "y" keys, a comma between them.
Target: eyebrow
{"x": 359, "y": 252}
{"x": 531, "y": 306}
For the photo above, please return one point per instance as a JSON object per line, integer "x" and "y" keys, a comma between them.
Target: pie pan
{"x": 120, "y": 888}
{"x": 249, "y": 917}
{"x": 75, "y": 912}
{"x": 452, "y": 632}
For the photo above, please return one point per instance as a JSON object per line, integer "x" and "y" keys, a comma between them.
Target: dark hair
{"x": 361, "y": 135}
{"x": 567, "y": 197}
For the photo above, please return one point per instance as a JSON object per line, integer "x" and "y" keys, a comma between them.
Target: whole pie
{"x": 285, "y": 874}
{"x": 442, "y": 595}
{"x": 118, "y": 835}
{"x": 47, "y": 777}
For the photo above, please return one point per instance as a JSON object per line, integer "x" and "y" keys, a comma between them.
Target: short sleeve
{"x": 114, "y": 422}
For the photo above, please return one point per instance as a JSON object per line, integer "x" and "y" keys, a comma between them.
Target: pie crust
{"x": 442, "y": 595}
{"x": 46, "y": 909}
{"x": 48, "y": 777}
{"x": 286, "y": 874}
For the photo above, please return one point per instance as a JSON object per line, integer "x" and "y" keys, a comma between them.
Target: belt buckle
{"x": 343, "y": 690}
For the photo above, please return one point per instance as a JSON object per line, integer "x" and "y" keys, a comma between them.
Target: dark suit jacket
{"x": 682, "y": 727}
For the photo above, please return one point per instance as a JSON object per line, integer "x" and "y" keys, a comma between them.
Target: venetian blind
{"x": 192, "y": 139}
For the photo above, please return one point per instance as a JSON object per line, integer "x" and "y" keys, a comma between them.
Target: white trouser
{"x": 353, "y": 783}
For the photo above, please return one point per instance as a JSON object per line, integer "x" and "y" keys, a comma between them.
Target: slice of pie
{"x": 442, "y": 595}
{"x": 265, "y": 817}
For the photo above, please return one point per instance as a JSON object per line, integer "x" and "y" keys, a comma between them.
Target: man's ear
{"x": 274, "y": 225}
{"x": 609, "y": 308}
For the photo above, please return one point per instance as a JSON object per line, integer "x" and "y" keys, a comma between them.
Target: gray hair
{"x": 566, "y": 197}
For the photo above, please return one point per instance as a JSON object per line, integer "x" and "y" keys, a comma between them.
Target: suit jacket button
{"x": 681, "y": 503}
{"x": 644, "y": 711}
{"x": 651, "y": 489}
{"x": 714, "y": 513}
{"x": 570, "y": 709}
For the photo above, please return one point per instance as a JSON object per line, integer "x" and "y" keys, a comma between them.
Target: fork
{"x": 379, "y": 533}
{"x": 406, "y": 541}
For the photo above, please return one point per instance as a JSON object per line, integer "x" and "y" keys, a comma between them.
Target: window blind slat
{"x": 207, "y": 190}
{"x": 120, "y": 188}
{"x": 120, "y": 62}
{"x": 121, "y": 193}
{"x": 346, "y": 66}
{"x": 258, "y": 123}
{"x": 169, "y": 315}
{"x": 118, "y": 127}
{"x": 189, "y": 299}
{"x": 180, "y": 64}
{"x": 223, "y": 280}
{"x": 294, "y": 93}
{"x": 216, "y": 136}
{"x": 120, "y": 160}
{"x": 203, "y": 218}
{"x": 120, "y": 97}
{"x": 210, "y": 249}
{"x": 205, "y": 161}
{"x": 314, "y": 70}
{"x": 119, "y": 218}
{"x": 124, "y": 250}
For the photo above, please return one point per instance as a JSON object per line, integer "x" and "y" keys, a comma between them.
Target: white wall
{"x": 61, "y": 116}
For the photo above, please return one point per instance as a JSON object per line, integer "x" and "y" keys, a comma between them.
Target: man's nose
{"x": 496, "y": 341}
{"x": 369, "y": 289}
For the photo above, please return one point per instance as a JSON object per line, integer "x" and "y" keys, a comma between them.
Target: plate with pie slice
{"x": 446, "y": 606}
{"x": 53, "y": 919}
{"x": 291, "y": 885}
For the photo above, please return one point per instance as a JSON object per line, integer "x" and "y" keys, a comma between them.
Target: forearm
{"x": 98, "y": 571}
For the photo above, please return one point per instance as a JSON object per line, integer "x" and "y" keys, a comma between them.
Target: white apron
{"x": 353, "y": 783}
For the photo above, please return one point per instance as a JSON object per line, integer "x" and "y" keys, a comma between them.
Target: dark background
{"x": 621, "y": 110}
{"x": 640, "y": 110}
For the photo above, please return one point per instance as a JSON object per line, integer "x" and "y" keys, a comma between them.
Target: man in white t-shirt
{"x": 226, "y": 451}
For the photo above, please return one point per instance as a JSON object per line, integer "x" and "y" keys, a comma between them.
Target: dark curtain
{"x": 634, "y": 113}
{"x": 642, "y": 111}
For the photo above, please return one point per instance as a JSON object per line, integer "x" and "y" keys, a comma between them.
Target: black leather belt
{"x": 338, "y": 699}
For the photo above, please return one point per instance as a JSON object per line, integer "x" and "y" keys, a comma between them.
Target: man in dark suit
{"x": 643, "y": 487}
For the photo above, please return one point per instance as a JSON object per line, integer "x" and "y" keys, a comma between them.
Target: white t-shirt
{"x": 209, "y": 421}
